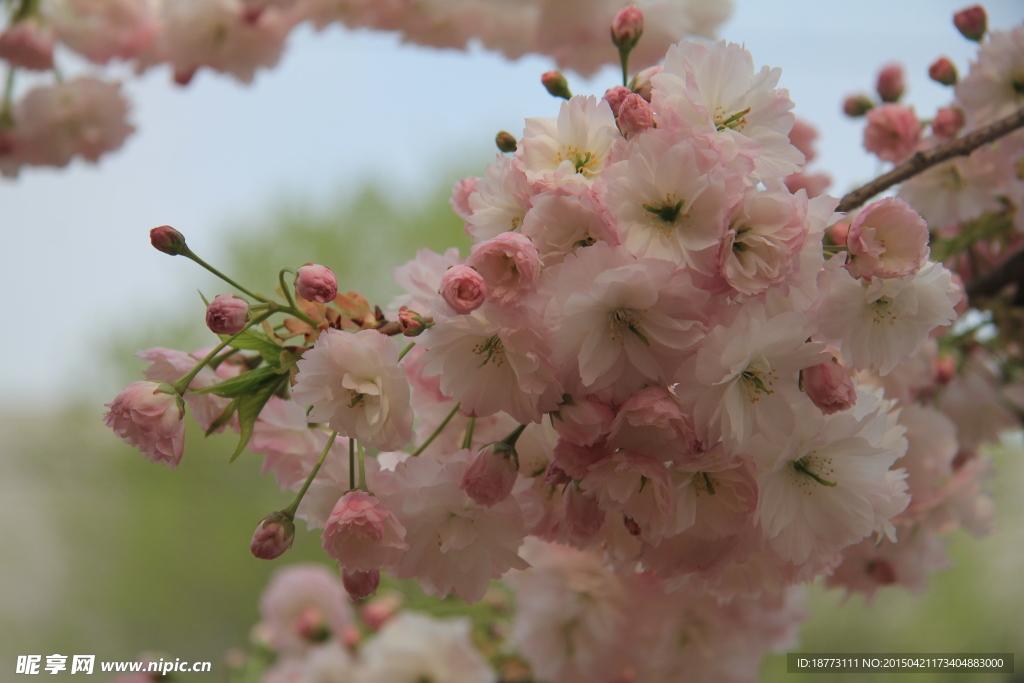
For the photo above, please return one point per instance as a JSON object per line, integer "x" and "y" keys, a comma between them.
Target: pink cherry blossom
{"x": 362, "y": 534}
{"x": 893, "y": 132}
{"x": 463, "y": 288}
{"x": 829, "y": 386}
{"x": 887, "y": 239}
{"x": 151, "y": 420}
{"x": 509, "y": 263}
{"x": 491, "y": 476}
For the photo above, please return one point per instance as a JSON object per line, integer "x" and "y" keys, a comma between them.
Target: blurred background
{"x": 345, "y": 155}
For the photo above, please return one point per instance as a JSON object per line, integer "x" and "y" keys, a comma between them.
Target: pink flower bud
{"x": 360, "y": 584}
{"x": 948, "y": 122}
{"x": 615, "y": 96}
{"x": 150, "y": 419}
{"x": 944, "y": 369}
{"x": 887, "y": 239}
{"x": 893, "y": 132}
{"x": 829, "y": 387}
{"x": 316, "y": 283}
{"x": 311, "y": 625}
{"x": 379, "y": 611}
{"x": 555, "y": 475}
{"x": 273, "y": 536}
{"x": 583, "y": 421}
{"x": 27, "y": 45}
{"x": 227, "y": 314}
{"x": 839, "y": 232}
{"x": 943, "y": 71}
{"x": 167, "y": 239}
{"x": 890, "y": 83}
{"x": 509, "y": 263}
{"x": 627, "y": 27}
{"x": 641, "y": 83}
{"x": 857, "y": 105}
{"x": 410, "y": 322}
{"x": 506, "y": 141}
{"x": 635, "y": 115}
{"x": 972, "y": 23}
{"x": 463, "y": 289}
{"x": 362, "y": 534}
{"x": 491, "y": 476}
{"x": 556, "y": 84}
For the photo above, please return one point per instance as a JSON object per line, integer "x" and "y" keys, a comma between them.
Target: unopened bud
{"x": 635, "y": 115}
{"x": 615, "y": 96}
{"x": 556, "y": 84}
{"x": 273, "y": 536}
{"x": 359, "y": 584}
{"x": 506, "y": 141}
{"x": 167, "y": 239}
{"x": 491, "y": 476}
{"x": 378, "y": 611}
{"x": 947, "y": 122}
{"x": 27, "y": 45}
{"x": 316, "y": 283}
{"x": 944, "y": 369}
{"x": 972, "y": 23}
{"x": 857, "y": 105}
{"x": 410, "y": 322}
{"x": 463, "y": 289}
{"x": 890, "y": 83}
{"x": 943, "y": 71}
{"x": 829, "y": 387}
{"x": 627, "y": 27}
{"x": 227, "y": 314}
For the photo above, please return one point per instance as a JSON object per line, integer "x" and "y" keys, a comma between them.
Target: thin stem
{"x": 362, "y": 469}
{"x": 467, "y": 440}
{"x": 294, "y": 310}
{"x": 921, "y": 161}
{"x": 189, "y": 254}
{"x": 182, "y": 384}
{"x": 290, "y": 510}
{"x": 351, "y": 464}
{"x": 440, "y": 428}
{"x": 6, "y": 119}
{"x": 284, "y": 286}
{"x": 406, "y": 350}
{"x": 624, "y": 59}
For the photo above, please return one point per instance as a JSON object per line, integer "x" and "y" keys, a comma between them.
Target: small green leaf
{"x": 242, "y": 384}
{"x": 223, "y": 419}
{"x": 249, "y": 407}
{"x": 254, "y": 340}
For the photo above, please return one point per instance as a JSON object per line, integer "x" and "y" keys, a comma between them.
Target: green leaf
{"x": 249, "y": 407}
{"x": 254, "y": 340}
{"x": 223, "y": 419}
{"x": 243, "y": 384}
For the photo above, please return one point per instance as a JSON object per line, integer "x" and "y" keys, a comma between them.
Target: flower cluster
{"x": 665, "y": 376}
{"x": 87, "y": 117}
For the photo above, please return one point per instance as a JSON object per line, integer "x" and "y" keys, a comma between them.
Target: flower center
{"x": 758, "y": 380}
{"x": 882, "y": 312}
{"x": 587, "y": 164}
{"x": 733, "y": 122}
{"x": 495, "y": 350}
{"x": 816, "y": 467}
{"x": 623, "y": 320}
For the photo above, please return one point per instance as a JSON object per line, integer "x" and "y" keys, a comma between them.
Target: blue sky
{"x": 344, "y": 107}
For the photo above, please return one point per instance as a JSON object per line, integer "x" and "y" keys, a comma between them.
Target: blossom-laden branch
{"x": 922, "y": 161}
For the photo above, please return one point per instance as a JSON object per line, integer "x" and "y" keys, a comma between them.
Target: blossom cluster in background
{"x": 56, "y": 120}
{"x": 668, "y": 384}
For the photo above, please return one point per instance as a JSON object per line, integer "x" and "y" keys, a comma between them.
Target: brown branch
{"x": 1009, "y": 271}
{"x": 921, "y": 161}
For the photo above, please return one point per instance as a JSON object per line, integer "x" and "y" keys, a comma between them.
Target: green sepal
{"x": 223, "y": 419}
{"x": 254, "y": 340}
{"x": 243, "y": 384}
{"x": 249, "y": 407}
